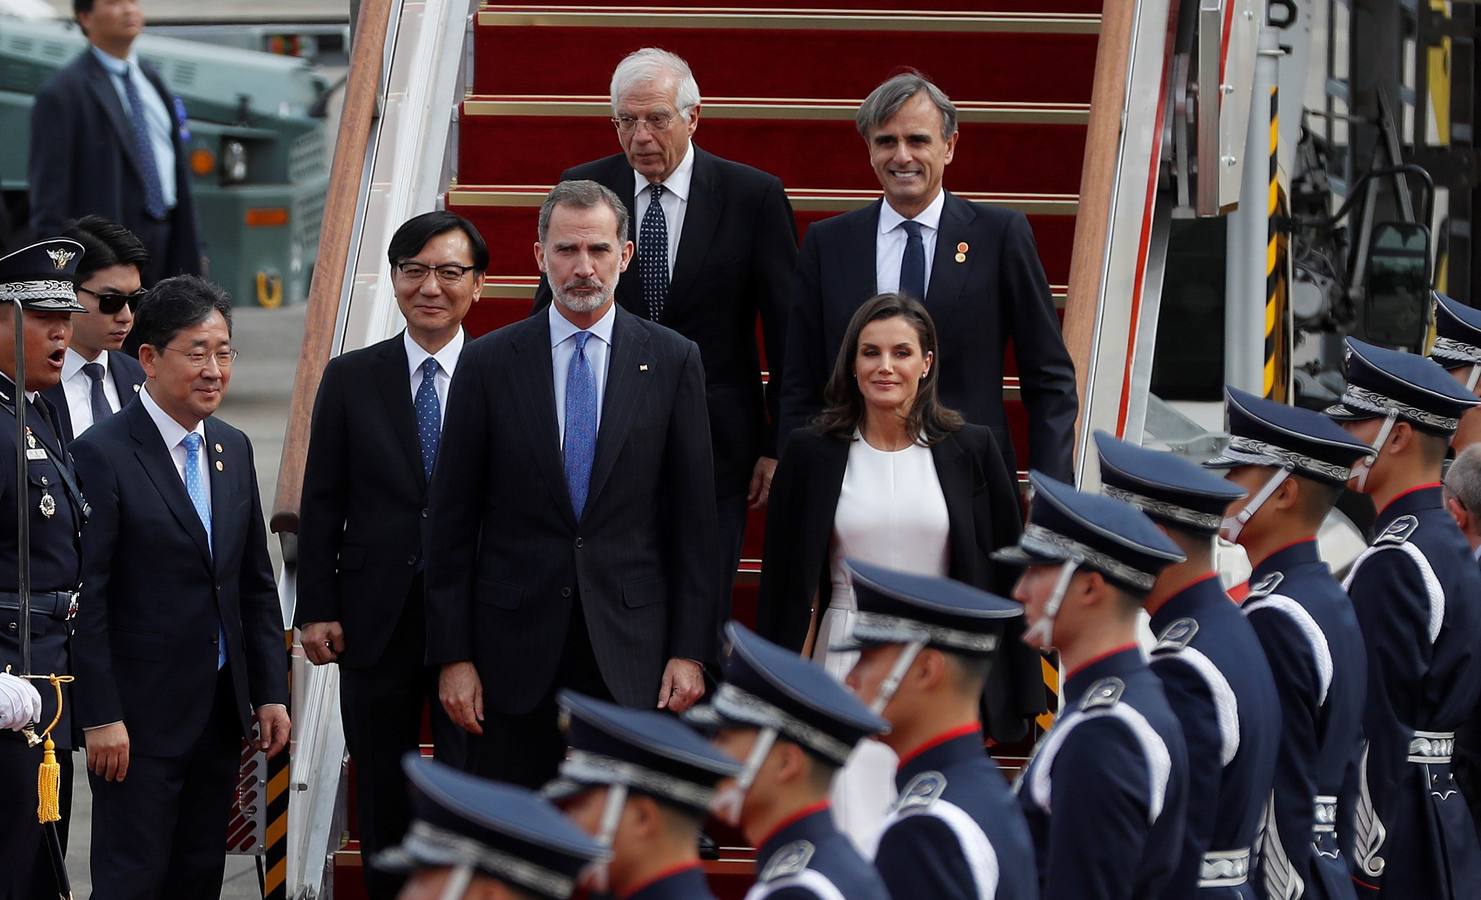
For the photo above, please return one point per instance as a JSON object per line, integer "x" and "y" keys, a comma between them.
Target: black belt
{"x": 53, "y": 604}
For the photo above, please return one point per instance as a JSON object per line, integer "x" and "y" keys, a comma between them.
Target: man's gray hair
{"x": 582, "y": 195}
{"x": 886, "y": 100}
{"x": 652, "y": 64}
{"x": 1463, "y": 479}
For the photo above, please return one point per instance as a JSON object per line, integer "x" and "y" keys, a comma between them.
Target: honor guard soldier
{"x": 1293, "y": 463}
{"x": 1211, "y": 666}
{"x": 40, "y": 277}
{"x": 473, "y": 839}
{"x": 926, "y": 645}
{"x": 643, "y": 784}
{"x": 1457, "y": 349}
{"x": 793, "y": 726}
{"x": 1106, "y": 791}
{"x": 1417, "y": 594}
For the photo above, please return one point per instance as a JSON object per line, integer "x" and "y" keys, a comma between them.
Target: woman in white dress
{"x": 888, "y": 475}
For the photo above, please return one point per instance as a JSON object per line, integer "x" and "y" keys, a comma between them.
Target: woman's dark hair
{"x": 176, "y": 304}
{"x": 415, "y": 232}
{"x": 843, "y": 409}
{"x": 105, "y": 244}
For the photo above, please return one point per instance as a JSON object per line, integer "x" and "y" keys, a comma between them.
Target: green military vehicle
{"x": 257, "y": 150}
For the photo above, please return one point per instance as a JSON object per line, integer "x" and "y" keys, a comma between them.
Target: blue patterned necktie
{"x": 579, "y": 446}
{"x": 653, "y": 254}
{"x": 97, "y": 400}
{"x": 429, "y": 416}
{"x": 913, "y": 262}
{"x": 154, "y": 197}
{"x": 196, "y": 488}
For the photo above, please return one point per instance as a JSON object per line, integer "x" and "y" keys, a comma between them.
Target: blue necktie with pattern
{"x": 429, "y": 416}
{"x": 653, "y": 254}
{"x": 196, "y": 488}
{"x": 579, "y": 446}
{"x": 913, "y": 262}
{"x": 154, "y": 197}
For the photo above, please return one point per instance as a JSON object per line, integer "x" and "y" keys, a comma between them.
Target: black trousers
{"x": 20, "y": 834}
{"x": 160, "y": 834}
{"x": 527, "y": 749}
{"x": 382, "y": 708}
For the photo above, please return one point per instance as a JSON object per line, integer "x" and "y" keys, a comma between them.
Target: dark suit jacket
{"x": 506, "y": 558}
{"x": 128, "y": 379}
{"x": 735, "y": 261}
{"x": 984, "y": 514}
{"x": 364, "y": 501}
{"x": 83, "y": 160}
{"x": 155, "y": 592}
{"x": 999, "y": 294}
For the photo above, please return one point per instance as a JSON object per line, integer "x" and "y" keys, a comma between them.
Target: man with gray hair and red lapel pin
{"x": 1293, "y": 462}
{"x": 1210, "y": 663}
{"x": 1417, "y": 594}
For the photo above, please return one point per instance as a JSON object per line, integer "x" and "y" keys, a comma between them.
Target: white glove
{"x": 20, "y": 704}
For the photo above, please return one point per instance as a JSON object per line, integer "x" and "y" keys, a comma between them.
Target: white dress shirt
{"x": 675, "y": 201}
{"x": 889, "y": 244}
{"x": 563, "y": 347}
{"x": 447, "y": 361}
{"x": 157, "y": 116}
{"x": 79, "y": 390}
{"x": 173, "y": 434}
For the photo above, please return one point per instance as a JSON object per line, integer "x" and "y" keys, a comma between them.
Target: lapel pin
{"x": 136, "y": 389}
{"x": 220, "y": 466}
{"x": 961, "y": 252}
{"x": 218, "y": 448}
{"x": 642, "y": 367}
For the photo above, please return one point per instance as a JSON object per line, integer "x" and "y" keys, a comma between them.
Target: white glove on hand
{"x": 20, "y": 704}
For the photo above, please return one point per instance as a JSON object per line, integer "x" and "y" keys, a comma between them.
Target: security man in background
{"x": 1210, "y": 664}
{"x": 1106, "y": 791}
{"x": 642, "y": 783}
{"x": 926, "y": 647}
{"x": 794, "y": 727}
{"x": 473, "y": 839}
{"x": 1417, "y": 594}
{"x": 40, "y": 276}
{"x": 1294, "y": 462}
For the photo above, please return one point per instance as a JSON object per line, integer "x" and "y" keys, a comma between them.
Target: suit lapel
{"x": 857, "y": 273}
{"x": 58, "y": 397}
{"x": 704, "y": 209}
{"x": 619, "y": 177}
{"x": 629, "y": 350}
{"x": 534, "y": 389}
{"x": 102, "y": 87}
{"x": 125, "y": 381}
{"x": 393, "y": 374}
{"x": 159, "y": 465}
{"x": 953, "y": 470}
{"x": 221, "y": 468}
{"x": 948, "y": 276}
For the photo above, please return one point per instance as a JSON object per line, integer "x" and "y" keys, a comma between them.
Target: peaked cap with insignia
{"x": 1265, "y": 433}
{"x": 41, "y": 276}
{"x": 1457, "y": 333}
{"x": 1381, "y": 382}
{"x": 767, "y": 686}
{"x": 502, "y": 831}
{"x": 902, "y": 608}
{"x": 1110, "y": 536}
{"x": 1165, "y": 486}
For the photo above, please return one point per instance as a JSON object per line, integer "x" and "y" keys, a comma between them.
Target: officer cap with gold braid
{"x": 1165, "y": 486}
{"x": 499, "y": 830}
{"x": 40, "y": 276}
{"x": 1457, "y": 337}
{"x": 1384, "y": 382}
{"x": 1266, "y": 433}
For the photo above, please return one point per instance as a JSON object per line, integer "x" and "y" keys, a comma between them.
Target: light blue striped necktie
{"x": 579, "y": 446}
{"x": 196, "y": 488}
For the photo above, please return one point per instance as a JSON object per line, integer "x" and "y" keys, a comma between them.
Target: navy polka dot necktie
{"x": 653, "y": 254}
{"x": 913, "y": 261}
{"x": 429, "y": 416}
{"x": 154, "y": 196}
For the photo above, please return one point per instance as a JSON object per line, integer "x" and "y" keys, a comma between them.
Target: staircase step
{"x": 998, "y": 6}
{"x": 731, "y": 50}
{"x": 506, "y": 214}
{"x": 1003, "y": 146}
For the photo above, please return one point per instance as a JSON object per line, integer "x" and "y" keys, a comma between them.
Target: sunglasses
{"x": 110, "y": 302}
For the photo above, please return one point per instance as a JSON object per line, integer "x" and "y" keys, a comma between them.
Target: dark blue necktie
{"x": 429, "y": 416}
{"x": 913, "y": 263}
{"x": 154, "y": 197}
{"x": 97, "y": 400}
{"x": 653, "y": 254}
{"x": 579, "y": 447}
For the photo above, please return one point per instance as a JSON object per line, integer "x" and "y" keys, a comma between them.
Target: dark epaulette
{"x": 1399, "y": 531}
{"x": 1266, "y": 586}
{"x": 791, "y": 859}
{"x": 1104, "y": 694}
{"x": 1176, "y": 636}
{"x": 921, "y": 793}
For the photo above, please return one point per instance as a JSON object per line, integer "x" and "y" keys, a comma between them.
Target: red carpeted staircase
{"x": 781, "y": 86}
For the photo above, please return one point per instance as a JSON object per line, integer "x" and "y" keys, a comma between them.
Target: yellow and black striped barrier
{"x": 1277, "y": 378}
